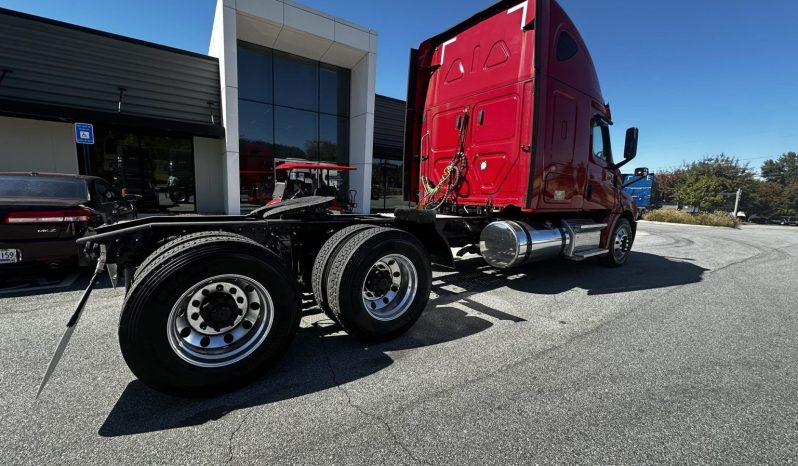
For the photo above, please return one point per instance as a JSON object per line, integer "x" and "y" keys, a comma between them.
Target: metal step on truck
{"x": 508, "y": 155}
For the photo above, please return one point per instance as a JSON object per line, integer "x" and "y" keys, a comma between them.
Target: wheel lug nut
{"x": 240, "y": 300}
{"x": 203, "y": 326}
{"x": 195, "y": 303}
{"x": 205, "y": 292}
{"x": 195, "y": 316}
{"x": 219, "y": 287}
{"x": 232, "y": 291}
{"x": 185, "y": 332}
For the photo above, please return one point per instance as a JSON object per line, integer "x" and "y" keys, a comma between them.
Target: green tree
{"x": 666, "y": 185}
{"x": 710, "y": 183}
{"x": 700, "y": 190}
{"x": 790, "y": 199}
{"x": 783, "y": 170}
{"x": 768, "y": 198}
{"x": 730, "y": 173}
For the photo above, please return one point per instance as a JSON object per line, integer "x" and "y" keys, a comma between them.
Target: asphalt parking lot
{"x": 688, "y": 353}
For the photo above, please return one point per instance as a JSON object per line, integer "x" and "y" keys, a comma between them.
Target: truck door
{"x": 601, "y": 192}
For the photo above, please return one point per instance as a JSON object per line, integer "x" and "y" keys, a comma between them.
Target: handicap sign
{"x": 84, "y": 133}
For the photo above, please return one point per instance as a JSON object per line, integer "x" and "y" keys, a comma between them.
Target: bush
{"x": 715, "y": 219}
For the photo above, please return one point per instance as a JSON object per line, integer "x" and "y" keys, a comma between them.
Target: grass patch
{"x": 715, "y": 219}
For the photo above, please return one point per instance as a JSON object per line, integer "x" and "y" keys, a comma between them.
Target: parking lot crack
{"x": 232, "y": 436}
{"x": 366, "y": 413}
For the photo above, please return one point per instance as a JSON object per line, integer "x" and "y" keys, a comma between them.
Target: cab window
{"x": 566, "y": 46}
{"x": 601, "y": 142}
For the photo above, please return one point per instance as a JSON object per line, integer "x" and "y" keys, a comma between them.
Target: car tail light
{"x": 48, "y": 216}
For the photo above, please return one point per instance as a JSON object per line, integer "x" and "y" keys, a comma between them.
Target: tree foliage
{"x": 783, "y": 170}
{"x": 709, "y": 184}
{"x": 768, "y": 198}
{"x": 700, "y": 190}
{"x": 790, "y": 199}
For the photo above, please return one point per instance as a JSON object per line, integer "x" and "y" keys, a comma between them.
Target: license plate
{"x": 8, "y": 256}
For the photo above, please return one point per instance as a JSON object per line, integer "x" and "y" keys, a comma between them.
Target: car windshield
{"x": 24, "y": 186}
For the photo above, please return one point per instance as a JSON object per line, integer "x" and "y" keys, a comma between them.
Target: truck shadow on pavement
{"x": 642, "y": 271}
{"x": 41, "y": 283}
{"x": 323, "y": 358}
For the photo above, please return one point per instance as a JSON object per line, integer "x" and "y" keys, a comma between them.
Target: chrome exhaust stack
{"x": 510, "y": 243}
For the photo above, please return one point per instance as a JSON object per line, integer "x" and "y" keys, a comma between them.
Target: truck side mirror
{"x": 641, "y": 171}
{"x": 630, "y": 147}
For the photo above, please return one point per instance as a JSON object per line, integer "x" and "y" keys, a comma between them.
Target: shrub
{"x": 716, "y": 219}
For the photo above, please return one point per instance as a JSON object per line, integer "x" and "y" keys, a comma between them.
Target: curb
{"x": 686, "y": 225}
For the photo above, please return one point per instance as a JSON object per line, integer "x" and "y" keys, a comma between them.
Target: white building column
{"x": 361, "y": 128}
{"x": 297, "y": 29}
{"x": 223, "y": 46}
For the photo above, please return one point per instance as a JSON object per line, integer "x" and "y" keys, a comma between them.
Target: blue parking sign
{"x": 84, "y": 133}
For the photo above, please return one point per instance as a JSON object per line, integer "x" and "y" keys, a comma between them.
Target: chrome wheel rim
{"x": 621, "y": 243}
{"x": 389, "y": 287}
{"x": 220, "y": 320}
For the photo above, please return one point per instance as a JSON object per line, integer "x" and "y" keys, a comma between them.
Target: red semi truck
{"x": 508, "y": 155}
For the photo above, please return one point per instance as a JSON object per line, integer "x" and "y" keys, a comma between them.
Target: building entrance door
{"x": 157, "y": 167}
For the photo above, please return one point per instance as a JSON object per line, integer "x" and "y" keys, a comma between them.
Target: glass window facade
{"x": 289, "y": 108}
{"x": 159, "y": 167}
{"x": 386, "y": 185}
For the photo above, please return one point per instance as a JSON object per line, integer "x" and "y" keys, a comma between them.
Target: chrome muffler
{"x": 510, "y": 243}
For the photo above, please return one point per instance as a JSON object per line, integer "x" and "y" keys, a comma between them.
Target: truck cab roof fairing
{"x": 578, "y": 70}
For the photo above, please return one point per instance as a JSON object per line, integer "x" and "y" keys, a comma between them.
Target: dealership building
{"x": 202, "y": 133}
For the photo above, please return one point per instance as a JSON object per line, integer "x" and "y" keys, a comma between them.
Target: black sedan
{"x": 41, "y": 216}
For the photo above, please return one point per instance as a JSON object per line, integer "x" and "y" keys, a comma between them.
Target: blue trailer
{"x": 642, "y": 191}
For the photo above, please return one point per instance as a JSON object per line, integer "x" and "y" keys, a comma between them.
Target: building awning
{"x": 59, "y": 71}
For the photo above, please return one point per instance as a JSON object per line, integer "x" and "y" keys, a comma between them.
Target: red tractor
{"x": 507, "y": 154}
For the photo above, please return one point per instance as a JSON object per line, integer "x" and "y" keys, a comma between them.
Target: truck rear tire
{"x": 208, "y": 316}
{"x": 174, "y": 243}
{"x": 620, "y": 243}
{"x": 379, "y": 283}
{"x": 321, "y": 266}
